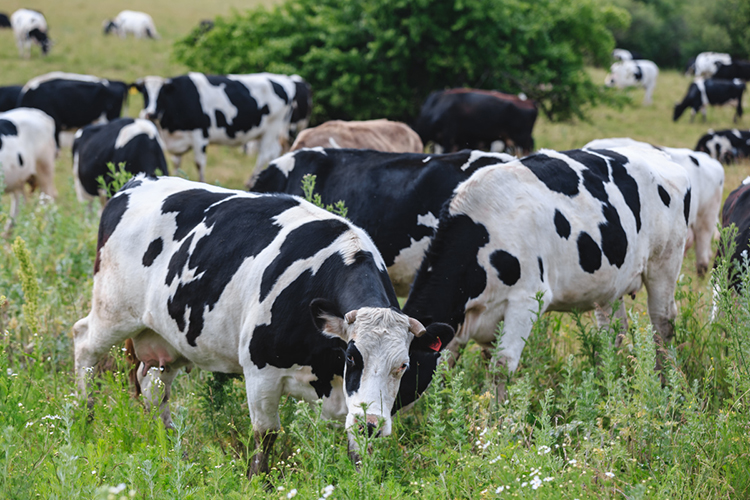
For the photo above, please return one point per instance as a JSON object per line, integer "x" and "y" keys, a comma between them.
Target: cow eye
{"x": 350, "y": 360}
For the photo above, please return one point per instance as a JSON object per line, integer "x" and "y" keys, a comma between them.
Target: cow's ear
{"x": 328, "y": 318}
{"x": 436, "y": 337}
{"x": 138, "y": 85}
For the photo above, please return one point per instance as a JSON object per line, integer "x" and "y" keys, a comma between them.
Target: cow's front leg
{"x": 263, "y": 395}
{"x": 604, "y": 317}
{"x": 519, "y": 319}
{"x": 200, "y": 144}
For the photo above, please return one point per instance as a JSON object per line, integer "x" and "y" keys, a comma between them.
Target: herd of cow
{"x": 304, "y": 302}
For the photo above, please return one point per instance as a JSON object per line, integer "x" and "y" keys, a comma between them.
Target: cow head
{"x": 41, "y": 38}
{"x": 109, "y": 25}
{"x": 151, "y": 87}
{"x": 377, "y": 357}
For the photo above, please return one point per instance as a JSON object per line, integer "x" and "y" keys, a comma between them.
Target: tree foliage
{"x": 381, "y": 58}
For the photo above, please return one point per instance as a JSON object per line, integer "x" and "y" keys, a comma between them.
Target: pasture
{"x": 582, "y": 420}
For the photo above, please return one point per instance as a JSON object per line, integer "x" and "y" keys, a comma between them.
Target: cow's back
{"x": 380, "y": 135}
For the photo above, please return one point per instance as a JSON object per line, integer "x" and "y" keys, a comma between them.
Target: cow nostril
{"x": 370, "y": 429}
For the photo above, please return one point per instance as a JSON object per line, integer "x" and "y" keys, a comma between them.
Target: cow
{"x": 30, "y": 26}
{"x": 714, "y": 92}
{"x": 625, "y": 55}
{"x": 130, "y": 22}
{"x": 736, "y": 211}
{"x": 9, "y": 97}
{"x": 707, "y": 181}
{"x": 736, "y": 69}
{"x": 5, "y": 21}
{"x": 706, "y": 64}
{"x": 577, "y": 228}
{"x": 195, "y": 110}
{"x": 395, "y": 197}
{"x": 725, "y": 145}
{"x": 27, "y": 154}
{"x": 74, "y": 100}
{"x": 476, "y": 119}
{"x": 380, "y": 135}
{"x": 638, "y": 73}
{"x": 291, "y": 296}
{"x": 134, "y": 142}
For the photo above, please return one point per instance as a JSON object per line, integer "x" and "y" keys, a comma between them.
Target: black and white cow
{"x": 74, "y": 100}
{"x": 736, "y": 69}
{"x": 707, "y": 181}
{"x": 130, "y": 22}
{"x": 626, "y": 55}
{"x": 395, "y": 197}
{"x": 705, "y": 64}
{"x": 714, "y": 92}
{"x": 29, "y": 26}
{"x": 293, "y": 297}
{"x": 477, "y": 119}
{"x": 638, "y": 73}
{"x": 196, "y": 110}
{"x": 736, "y": 211}
{"x": 9, "y": 97}
{"x": 4, "y": 21}
{"x": 725, "y": 145}
{"x": 136, "y": 143}
{"x": 582, "y": 228}
{"x": 27, "y": 153}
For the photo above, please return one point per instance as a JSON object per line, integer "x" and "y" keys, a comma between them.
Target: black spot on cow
{"x": 483, "y": 161}
{"x": 7, "y": 127}
{"x": 589, "y": 254}
{"x": 354, "y": 366}
{"x": 205, "y": 146}
{"x": 625, "y": 183}
{"x": 296, "y": 247}
{"x": 111, "y": 217}
{"x": 596, "y": 173}
{"x": 638, "y": 73}
{"x": 132, "y": 183}
{"x": 665, "y": 198}
{"x": 450, "y": 274}
{"x": 562, "y": 225}
{"x": 191, "y": 206}
{"x": 694, "y": 160}
{"x": 20, "y": 160}
{"x": 278, "y": 89}
{"x": 614, "y": 239}
{"x": 541, "y": 268}
{"x": 152, "y": 252}
{"x": 177, "y": 263}
{"x": 686, "y": 206}
{"x": 554, "y": 173}
{"x": 217, "y": 255}
{"x": 507, "y": 266}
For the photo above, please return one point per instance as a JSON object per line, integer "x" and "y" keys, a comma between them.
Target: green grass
{"x": 595, "y": 420}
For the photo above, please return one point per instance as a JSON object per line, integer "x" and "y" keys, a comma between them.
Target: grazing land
{"x": 582, "y": 419}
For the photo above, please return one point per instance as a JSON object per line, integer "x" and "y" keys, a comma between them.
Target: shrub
{"x": 381, "y": 58}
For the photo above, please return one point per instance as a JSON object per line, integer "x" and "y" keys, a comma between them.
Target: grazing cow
{"x": 5, "y": 21}
{"x": 395, "y": 197}
{"x": 124, "y": 140}
{"x": 9, "y": 97}
{"x": 476, "y": 119}
{"x": 725, "y": 145}
{"x": 582, "y": 228}
{"x": 73, "y": 100}
{"x": 27, "y": 153}
{"x": 130, "y": 22}
{"x": 29, "y": 26}
{"x": 706, "y": 64}
{"x": 195, "y": 110}
{"x": 736, "y": 211}
{"x": 714, "y": 92}
{"x": 736, "y": 69}
{"x": 293, "y": 297}
{"x": 639, "y": 73}
{"x": 380, "y": 135}
{"x": 707, "y": 181}
{"x": 626, "y": 55}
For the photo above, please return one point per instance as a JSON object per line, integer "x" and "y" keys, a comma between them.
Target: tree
{"x": 381, "y": 58}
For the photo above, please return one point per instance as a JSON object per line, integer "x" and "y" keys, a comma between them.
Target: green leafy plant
{"x": 114, "y": 180}
{"x": 29, "y": 283}
{"x": 308, "y": 188}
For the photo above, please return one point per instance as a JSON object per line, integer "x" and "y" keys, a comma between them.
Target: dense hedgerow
{"x": 381, "y": 58}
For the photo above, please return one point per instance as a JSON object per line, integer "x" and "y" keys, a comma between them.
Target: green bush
{"x": 382, "y": 58}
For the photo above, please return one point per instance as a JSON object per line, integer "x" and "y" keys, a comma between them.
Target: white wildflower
{"x": 495, "y": 459}
{"x": 536, "y": 483}
{"x": 548, "y": 479}
{"x": 281, "y": 488}
{"x": 327, "y": 491}
{"x": 9, "y": 371}
{"x": 292, "y": 493}
{"x": 543, "y": 450}
{"x": 572, "y": 461}
{"x": 523, "y": 484}
{"x": 609, "y": 474}
{"x": 29, "y": 424}
{"x": 117, "y": 489}
{"x": 500, "y": 489}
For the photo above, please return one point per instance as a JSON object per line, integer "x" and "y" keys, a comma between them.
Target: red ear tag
{"x": 435, "y": 346}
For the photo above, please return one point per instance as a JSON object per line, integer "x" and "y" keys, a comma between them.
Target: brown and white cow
{"x": 380, "y": 135}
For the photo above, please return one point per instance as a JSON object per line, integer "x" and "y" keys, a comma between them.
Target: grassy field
{"x": 582, "y": 420}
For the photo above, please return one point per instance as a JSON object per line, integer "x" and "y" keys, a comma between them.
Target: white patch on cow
{"x": 746, "y": 181}
{"x": 719, "y": 146}
{"x": 152, "y": 86}
{"x": 138, "y": 127}
{"x": 428, "y": 220}
{"x": 475, "y": 155}
{"x": 333, "y": 143}
{"x": 427, "y": 159}
{"x": 736, "y": 133}
{"x": 707, "y": 63}
{"x": 213, "y": 99}
{"x": 285, "y": 164}
{"x": 407, "y": 262}
{"x": 61, "y": 75}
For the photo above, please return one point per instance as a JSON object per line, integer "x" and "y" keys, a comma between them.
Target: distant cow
{"x": 27, "y": 153}
{"x": 626, "y": 55}
{"x": 476, "y": 119}
{"x": 736, "y": 211}
{"x": 269, "y": 286}
{"x": 29, "y": 26}
{"x": 135, "y": 143}
{"x": 129, "y": 22}
{"x": 580, "y": 228}
{"x": 706, "y": 64}
{"x": 396, "y": 198}
{"x": 9, "y": 97}
{"x": 725, "y": 145}
{"x": 714, "y": 92}
{"x": 707, "y": 181}
{"x": 736, "y": 69}
{"x": 380, "y": 135}
{"x": 4, "y": 21}
{"x": 73, "y": 100}
{"x": 196, "y": 110}
{"x": 639, "y": 73}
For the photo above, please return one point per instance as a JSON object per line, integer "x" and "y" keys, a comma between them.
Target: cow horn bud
{"x": 350, "y": 317}
{"x": 416, "y": 327}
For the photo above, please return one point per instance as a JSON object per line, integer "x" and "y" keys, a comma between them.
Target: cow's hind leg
{"x": 264, "y": 388}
